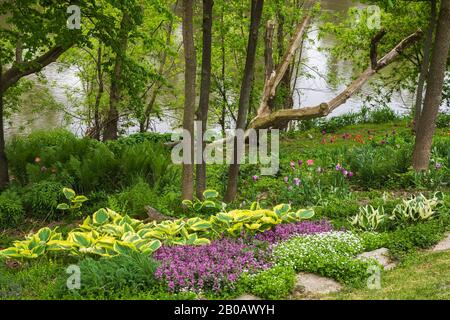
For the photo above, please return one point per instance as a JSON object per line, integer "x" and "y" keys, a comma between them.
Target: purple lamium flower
{"x": 283, "y": 232}
{"x": 438, "y": 166}
{"x": 297, "y": 181}
{"x": 210, "y": 267}
{"x": 338, "y": 167}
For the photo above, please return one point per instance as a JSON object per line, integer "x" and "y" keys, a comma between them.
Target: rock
{"x": 444, "y": 245}
{"x": 381, "y": 255}
{"x": 308, "y": 283}
{"x": 155, "y": 215}
{"x": 247, "y": 297}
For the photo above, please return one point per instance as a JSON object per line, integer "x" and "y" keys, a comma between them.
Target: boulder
{"x": 308, "y": 283}
{"x": 444, "y": 245}
{"x": 381, "y": 255}
{"x": 247, "y": 297}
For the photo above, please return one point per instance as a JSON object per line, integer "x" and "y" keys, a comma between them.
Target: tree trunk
{"x": 204, "y": 90}
{"x": 244, "y": 99}
{"x": 100, "y": 90}
{"x": 189, "y": 97}
{"x": 425, "y": 64}
{"x": 112, "y": 122}
{"x": 433, "y": 95}
{"x": 4, "y": 177}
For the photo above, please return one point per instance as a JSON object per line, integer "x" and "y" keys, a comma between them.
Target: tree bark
{"x": 244, "y": 99}
{"x": 433, "y": 95}
{"x": 100, "y": 90}
{"x": 189, "y": 97}
{"x": 204, "y": 90}
{"x": 112, "y": 121}
{"x": 4, "y": 177}
{"x": 425, "y": 64}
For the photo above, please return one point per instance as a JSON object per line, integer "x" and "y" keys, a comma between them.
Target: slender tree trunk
{"x": 4, "y": 177}
{"x": 425, "y": 64}
{"x": 112, "y": 121}
{"x": 189, "y": 97}
{"x": 223, "y": 75}
{"x": 433, "y": 95}
{"x": 100, "y": 90}
{"x": 204, "y": 90}
{"x": 244, "y": 99}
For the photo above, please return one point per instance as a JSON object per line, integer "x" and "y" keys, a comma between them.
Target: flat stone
{"x": 247, "y": 297}
{"x": 308, "y": 283}
{"x": 381, "y": 255}
{"x": 444, "y": 245}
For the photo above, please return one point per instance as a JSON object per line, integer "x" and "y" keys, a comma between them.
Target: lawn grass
{"x": 422, "y": 276}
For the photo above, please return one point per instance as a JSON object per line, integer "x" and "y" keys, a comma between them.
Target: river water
{"x": 309, "y": 90}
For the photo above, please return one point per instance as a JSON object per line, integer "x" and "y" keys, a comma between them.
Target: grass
{"x": 423, "y": 276}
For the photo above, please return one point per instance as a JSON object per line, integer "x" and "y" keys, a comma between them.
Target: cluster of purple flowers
{"x": 283, "y": 232}
{"x": 346, "y": 173}
{"x": 210, "y": 267}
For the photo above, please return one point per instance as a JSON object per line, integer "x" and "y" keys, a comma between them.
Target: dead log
{"x": 265, "y": 119}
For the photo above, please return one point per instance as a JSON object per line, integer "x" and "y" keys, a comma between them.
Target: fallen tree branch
{"x": 272, "y": 120}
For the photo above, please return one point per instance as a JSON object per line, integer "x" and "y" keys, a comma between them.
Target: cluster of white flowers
{"x": 318, "y": 250}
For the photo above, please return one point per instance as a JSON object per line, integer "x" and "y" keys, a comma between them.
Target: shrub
{"x": 134, "y": 199}
{"x": 216, "y": 266}
{"x": 274, "y": 283}
{"x": 41, "y": 199}
{"x": 285, "y": 231}
{"x": 374, "y": 240}
{"x": 109, "y": 276}
{"x": 423, "y": 235}
{"x": 336, "y": 208}
{"x": 328, "y": 254}
{"x": 382, "y": 115}
{"x": 11, "y": 210}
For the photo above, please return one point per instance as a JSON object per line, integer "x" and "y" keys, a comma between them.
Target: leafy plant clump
{"x": 328, "y": 254}
{"x": 107, "y": 233}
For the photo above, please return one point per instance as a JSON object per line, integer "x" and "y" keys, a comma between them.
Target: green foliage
{"x": 374, "y": 240}
{"x": 376, "y": 166}
{"x": 12, "y": 212}
{"x": 275, "y": 283}
{"x": 369, "y": 218}
{"x": 108, "y": 233}
{"x": 41, "y": 199}
{"x": 416, "y": 209}
{"x": 109, "y": 277}
{"x": 133, "y": 200}
{"x": 423, "y": 235}
{"x": 328, "y": 254}
{"x": 209, "y": 205}
{"x": 74, "y": 202}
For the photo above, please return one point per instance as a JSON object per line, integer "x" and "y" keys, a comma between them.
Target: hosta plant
{"x": 107, "y": 233}
{"x": 417, "y": 208}
{"x": 369, "y": 218}
{"x": 209, "y": 204}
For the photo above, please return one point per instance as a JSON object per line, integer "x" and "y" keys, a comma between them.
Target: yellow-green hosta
{"x": 107, "y": 233}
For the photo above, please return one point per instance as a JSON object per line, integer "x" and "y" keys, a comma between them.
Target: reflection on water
{"x": 309, "y": 91}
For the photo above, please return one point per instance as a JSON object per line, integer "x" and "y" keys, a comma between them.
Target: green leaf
{"x": 305, "y": 213}
{"x": 69, "y": 193}
{"x": 80, "y": 199}
{"x": 202, "y": 241}
{"x": 210, "y": 194}
{"x": 187, "y": 203}
{"x": 209, "y": 204}
{"x": 100, "y": 217}
{"x": 282, "y": 209}
{"x": 80, "y": 239}
{"x": 63, "y": 206}
{"x": 44, "y": 234}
